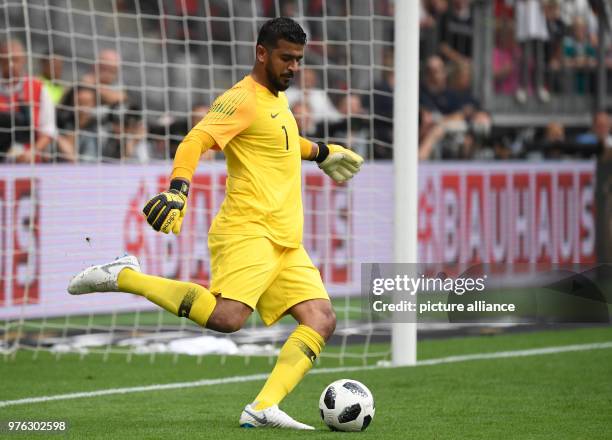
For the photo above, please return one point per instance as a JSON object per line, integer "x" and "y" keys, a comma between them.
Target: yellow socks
{"x": 178, "y": 297}
{"x": 197, "y": 303}
{"x": 295, "y": 359}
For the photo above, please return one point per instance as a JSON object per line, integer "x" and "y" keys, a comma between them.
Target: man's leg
{"x": 316, "y": 323}
{"x": 180, "y": 298}
{"x": 186, "y": 299}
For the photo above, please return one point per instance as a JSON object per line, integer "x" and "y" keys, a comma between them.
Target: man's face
{"x": 436, "y": 73}
{"x": 108, "y": 66}
{"x": 86, "y": 101}
{"x": 108, "y": 72}
{"x": 601, "y": 124}
{"x": 12, "y": 61}
{"x": 281, "y": 63}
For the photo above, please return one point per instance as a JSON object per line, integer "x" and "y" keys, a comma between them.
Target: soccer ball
{"x": 346, "y": 405}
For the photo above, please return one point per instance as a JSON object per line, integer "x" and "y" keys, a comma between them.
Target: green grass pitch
{"x": 561, "y": 396}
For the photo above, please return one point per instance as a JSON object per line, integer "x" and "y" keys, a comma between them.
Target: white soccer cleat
{"x": 102, "y": 277}
{"x": 271, "y": 417}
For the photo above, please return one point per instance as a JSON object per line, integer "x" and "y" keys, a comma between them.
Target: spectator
{"x": 78, "y": 125}
{"x": 430, "y": 136}
{"x": 316, "y": 98}
{"x": 455, "y": 103}
{"x": 580, "y": 55}
{"x": 570, "y": 9}
{"x": 502, "y": 149}
{"x": 599, "y": 135}
{"x": 456, "y": 30}
{"x": 430, "y": 13}
{"x": 506, "y": 53}
{"x": 503, "y": 10}
{"x": 460, "y": 83}
{"x": 435, "y": 95}
{"x": 303, "y": 116}
{"x": 554, "y": 138}
{"x": 168, "y": 132}
{"x": 104, "y": 78}
{"x": 555, "y": 132}
{"x": 22, "y": 99}
{"x": 550, "y": 146}
{"x": 353, "y": 129}
{"x": 383, "y": 109}
{"x": 51, "y": 68}
{"x": 126, "y": 139}
{"x": 553, "y": 48}
{"x": 531, "y": 33}
{"x": 290, "y": 8}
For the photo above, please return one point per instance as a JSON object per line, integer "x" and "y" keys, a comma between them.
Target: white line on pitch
{"x": 257, "y": 377}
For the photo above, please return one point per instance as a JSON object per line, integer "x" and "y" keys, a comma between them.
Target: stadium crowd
{"x": 541, "y": 49}
{"x": 95, "y": 118}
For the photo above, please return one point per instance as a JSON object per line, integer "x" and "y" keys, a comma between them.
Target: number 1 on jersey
{"x": 286, "y": 138}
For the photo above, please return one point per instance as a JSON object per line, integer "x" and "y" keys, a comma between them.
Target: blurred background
{"x": 500, "y": 79}
{"x": 514, "y": 140}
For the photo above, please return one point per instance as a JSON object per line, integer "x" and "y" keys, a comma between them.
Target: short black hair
{"x": 281, "y": 28}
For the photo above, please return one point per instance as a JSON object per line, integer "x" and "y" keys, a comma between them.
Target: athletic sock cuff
{"x": 309, "y": 337}
{"x": 202, "y": 306}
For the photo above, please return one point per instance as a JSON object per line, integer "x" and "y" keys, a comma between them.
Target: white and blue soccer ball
{"x": 347, "y": 405}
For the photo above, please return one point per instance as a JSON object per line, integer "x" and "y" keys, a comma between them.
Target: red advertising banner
{"x": 469, "y": 213}
{"x": 26, "y": 243}
{"x": 515, "y": 214}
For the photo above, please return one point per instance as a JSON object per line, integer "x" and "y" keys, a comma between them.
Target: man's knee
{"x": 224, "y": 324}
{"x": 327, "y": 322}
{"x": 318, "y": 315}
{"x": 229, "y": 316}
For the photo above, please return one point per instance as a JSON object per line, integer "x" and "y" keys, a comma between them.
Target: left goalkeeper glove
{"x": 338, "y": 162}
{"x": 165, "y": 212}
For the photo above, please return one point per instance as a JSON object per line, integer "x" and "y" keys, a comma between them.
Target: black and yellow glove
{"x": 165, "y": 212}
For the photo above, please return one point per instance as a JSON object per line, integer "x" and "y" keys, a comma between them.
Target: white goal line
{"x": 257, "y": 377}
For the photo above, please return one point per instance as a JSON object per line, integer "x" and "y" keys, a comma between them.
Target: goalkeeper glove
{"x": 165, "y": 212}
{"x": 338, "y": 162}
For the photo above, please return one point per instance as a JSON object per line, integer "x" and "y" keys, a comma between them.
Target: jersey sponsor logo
{"x": 274, "y": 115}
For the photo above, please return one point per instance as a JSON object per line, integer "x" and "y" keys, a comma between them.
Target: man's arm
{"x": 47, "y": 130}
{"x": 188, "y": 153}
{"x": 228, "y": 116}
{"x": 308, "y": 148}
{"x": 108, "y": 95}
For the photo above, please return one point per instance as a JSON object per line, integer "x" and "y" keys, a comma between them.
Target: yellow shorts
{"x": 263, "y": 275}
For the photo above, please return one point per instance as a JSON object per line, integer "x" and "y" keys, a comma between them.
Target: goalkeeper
{"x": 257, "y": 258}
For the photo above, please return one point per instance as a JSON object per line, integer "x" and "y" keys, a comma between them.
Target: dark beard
{"x": 280, "y": 87}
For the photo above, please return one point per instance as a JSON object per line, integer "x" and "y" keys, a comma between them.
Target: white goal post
{"x": 405, "y": 150}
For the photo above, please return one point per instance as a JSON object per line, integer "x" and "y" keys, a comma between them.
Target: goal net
{"x": 127, "y": 79}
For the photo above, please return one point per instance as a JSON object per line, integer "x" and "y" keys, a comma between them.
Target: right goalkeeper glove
{"x": 165, "y": 212}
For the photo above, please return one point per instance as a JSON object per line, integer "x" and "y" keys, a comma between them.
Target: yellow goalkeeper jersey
{"x": 260, "y": 139}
